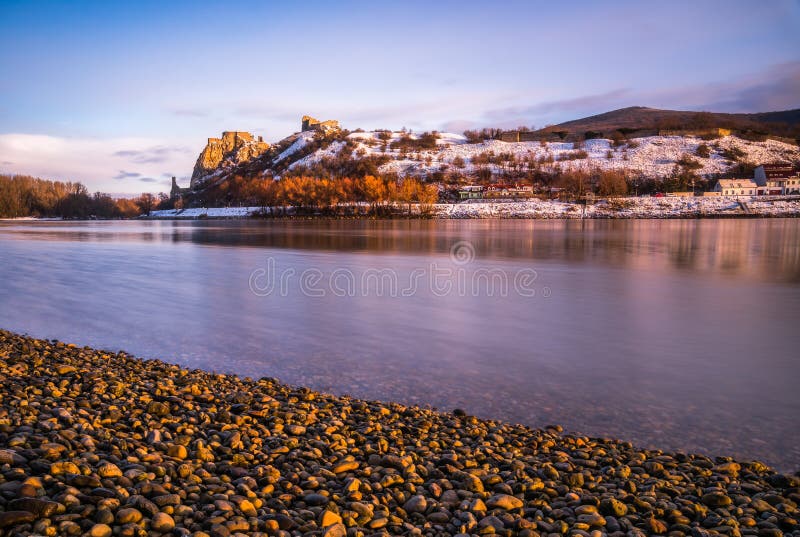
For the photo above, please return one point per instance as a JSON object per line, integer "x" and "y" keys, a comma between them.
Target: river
{"x": 675, "y": 334}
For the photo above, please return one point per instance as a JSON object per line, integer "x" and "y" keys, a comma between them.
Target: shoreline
{"x": 97, "y": 442}
{"x": 443, "y": 218}
{"x": 666, "y": 208}
{"x": 675, "y": 207}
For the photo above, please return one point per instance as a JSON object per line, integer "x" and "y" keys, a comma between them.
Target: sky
{"x": 122, "y": 96}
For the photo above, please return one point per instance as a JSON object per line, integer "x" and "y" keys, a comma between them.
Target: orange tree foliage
{"x": 344, "y": 195}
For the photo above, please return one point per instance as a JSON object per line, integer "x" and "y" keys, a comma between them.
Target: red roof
{"x": 779, "y": 170}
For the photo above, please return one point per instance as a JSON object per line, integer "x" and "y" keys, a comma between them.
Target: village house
{"x": 736, "y": 187}
{"x": 777, "y": 179}
{"x": 470, "y": 192}
{"x": 508, "y": 191}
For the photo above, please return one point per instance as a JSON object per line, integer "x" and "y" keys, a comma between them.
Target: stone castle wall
{"x": 234, "y": 146}
{"x": 309, "y": 123}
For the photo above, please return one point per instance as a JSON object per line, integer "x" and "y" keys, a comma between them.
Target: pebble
{"x": 504, "y": 501}
{"x": 328, "y": 518}
{"x": 14, "y": 518}
{"x": 107, "y": 445}
{"x": 100, "y": 530}
{"x": 128, "y": 515}
{"x": 162, "y": 522}
{"x": 416, "y": 504}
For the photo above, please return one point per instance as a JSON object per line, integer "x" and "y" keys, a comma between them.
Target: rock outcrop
{"x": 235, "y": 147}
{"x": 313, "y": 124}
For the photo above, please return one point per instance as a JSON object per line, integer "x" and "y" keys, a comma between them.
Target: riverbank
{"x": 623, "y": 208}
{"x": 103, "y": 443}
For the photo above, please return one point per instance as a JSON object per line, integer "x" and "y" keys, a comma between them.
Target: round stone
{"x": 100, "y": 530}
{"x": 128, "y": 515}
{"x": 162, "y": 523}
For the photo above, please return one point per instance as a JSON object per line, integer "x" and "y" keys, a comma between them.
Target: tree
{"x": 574, "y": 182}
{"x": 145, "y": 203}
{"x": 428, "y": 195}
{"x": 612, "y": 183}
{"x": 376, "y": 191}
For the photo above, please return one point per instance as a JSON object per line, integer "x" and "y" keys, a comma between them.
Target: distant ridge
{"x": 643, "y": 121}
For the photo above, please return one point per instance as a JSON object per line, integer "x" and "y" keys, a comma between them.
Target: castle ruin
{"x": 235, "y": 147}
{"x": 312, "y": 124}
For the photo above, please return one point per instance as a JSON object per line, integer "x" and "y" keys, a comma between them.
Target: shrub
{"x": 478, "y": 136}
{"x": 426, "y": 140}
{"x": 688, "y": 163}
{"x": 574, "y": 155}
{"x": 733, "y": 153}
{"x": 703, "y": 151}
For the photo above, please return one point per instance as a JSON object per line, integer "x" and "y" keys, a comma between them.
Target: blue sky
{"x": 123, "y": 95}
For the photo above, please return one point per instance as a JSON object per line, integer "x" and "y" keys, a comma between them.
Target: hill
{"x": 638, "y": 121}
{"x": 232, "y": 170}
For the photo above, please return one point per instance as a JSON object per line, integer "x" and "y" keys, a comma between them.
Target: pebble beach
{"x": 101, "y": 443}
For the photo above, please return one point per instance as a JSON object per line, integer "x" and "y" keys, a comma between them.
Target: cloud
{"x": 458, "y": 125}
{"x": 575, "y": 104}
{"x": 189, "y": 112}
{"x": 150, "y": 155}
{"x": 282, "y": 114}
{"x": 775, "y": 88}
{"x": 557, "y": 110}
{"x": 105, "y": 164}
{"x": 126, "y": 175}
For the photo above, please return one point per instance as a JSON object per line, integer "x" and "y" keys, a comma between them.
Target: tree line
{"x": 370, "y": 194}
{"x": 23, "y": 195}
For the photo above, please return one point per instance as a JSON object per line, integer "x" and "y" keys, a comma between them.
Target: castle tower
{"x": 175, "y": 192}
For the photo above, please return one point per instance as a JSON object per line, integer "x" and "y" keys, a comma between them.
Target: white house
{"x": 736, "y": 187}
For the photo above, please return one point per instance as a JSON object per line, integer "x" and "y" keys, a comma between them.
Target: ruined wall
{"x": 309, "y": 123}
{"x": 235, "y": 147}
{"x": 520, "y": 136}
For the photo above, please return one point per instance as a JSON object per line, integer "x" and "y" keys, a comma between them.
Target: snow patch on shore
{"x": 676, "y": 207}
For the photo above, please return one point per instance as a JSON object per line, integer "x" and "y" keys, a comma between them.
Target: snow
{"x": 669, "y": 207}
{"x": 318, "y": 155}
{"x": 651, "y": 156}
{"x": 302, "y": 139}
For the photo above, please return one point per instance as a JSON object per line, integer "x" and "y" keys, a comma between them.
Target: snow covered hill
{"x": 653, "y": 156}
{"x": 449, "y": 155}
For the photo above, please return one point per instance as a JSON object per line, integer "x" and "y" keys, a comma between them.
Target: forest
{"x": 22, "y": 195}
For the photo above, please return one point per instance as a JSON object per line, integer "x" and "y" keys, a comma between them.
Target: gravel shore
{"x": 100, "y": 444}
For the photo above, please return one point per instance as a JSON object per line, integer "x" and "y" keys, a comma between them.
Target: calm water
{"x": 674, "y": 334}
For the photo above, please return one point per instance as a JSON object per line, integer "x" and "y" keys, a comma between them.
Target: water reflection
{"x": 767, "y": 249}
{"x": 677, "y": 334}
